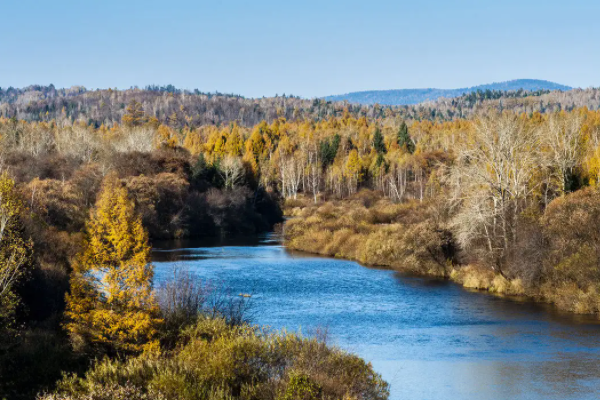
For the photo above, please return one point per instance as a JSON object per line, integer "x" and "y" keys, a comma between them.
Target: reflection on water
{"x": 429, "y": 339}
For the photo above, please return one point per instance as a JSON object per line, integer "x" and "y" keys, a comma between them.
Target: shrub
{"x": 183, "y": 299}
{"x": 570, "y": 226}
{"x": 220, "y": 361}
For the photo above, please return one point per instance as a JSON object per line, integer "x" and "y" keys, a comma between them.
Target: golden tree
{"x": 353, "y": 171}
{"x": 14, "y": 250}
{"x": 111, "y": 303}
{"x": 166, "y": 137}
{"x": 134, "y": 114}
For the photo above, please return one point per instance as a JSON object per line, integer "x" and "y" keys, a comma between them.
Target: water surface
{"x": 429, "y": 339}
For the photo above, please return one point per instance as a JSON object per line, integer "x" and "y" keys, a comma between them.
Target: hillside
{"x": 191, "y": 109}
{"x": 416, "y": 96}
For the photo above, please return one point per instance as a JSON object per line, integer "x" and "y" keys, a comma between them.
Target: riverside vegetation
{"x": 510, "y": 205}
{"x": 502, "y": 201}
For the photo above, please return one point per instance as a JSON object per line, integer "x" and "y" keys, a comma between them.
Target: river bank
{"x": 413, "y": 238}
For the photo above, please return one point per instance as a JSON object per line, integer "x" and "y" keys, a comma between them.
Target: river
{"x": 429, "y": 339}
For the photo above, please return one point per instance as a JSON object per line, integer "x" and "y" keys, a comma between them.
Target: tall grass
{"x": 374, "y": 232}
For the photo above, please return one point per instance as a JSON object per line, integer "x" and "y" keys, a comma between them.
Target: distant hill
{"x": 415, "y": 96}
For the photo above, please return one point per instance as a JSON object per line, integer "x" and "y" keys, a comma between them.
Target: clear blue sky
{"x": 305, "y": 47}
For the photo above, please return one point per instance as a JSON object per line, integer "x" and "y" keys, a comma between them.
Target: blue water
{"x": 429, "y": 339}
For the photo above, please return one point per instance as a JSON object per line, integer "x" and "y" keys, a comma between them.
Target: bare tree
{"x": 291, "y": 170}
{"x": 562, "y": 137}
{"x": 491, "y": 179}
{"x": 313, "y": 174}
{"x": 231, "y": 171}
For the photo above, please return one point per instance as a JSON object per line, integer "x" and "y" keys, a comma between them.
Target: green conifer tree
{"x": 404, "y": 139}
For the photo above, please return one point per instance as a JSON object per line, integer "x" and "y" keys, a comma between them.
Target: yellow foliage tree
{"x": 593, "y": 168}
{"x": 353, "y": 170}
{"x": 166, "y": 137}
{"x": 14, "y": 250}
{"x": 134, "y": 114}
{"x": 235, "y": 143}
{"x": 111, "y": 303}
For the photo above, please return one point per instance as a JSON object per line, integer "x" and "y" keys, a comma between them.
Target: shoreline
{"x": 469, "y": 277}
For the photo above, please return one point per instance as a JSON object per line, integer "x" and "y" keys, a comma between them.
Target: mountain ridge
{"x": 416, "y": 96}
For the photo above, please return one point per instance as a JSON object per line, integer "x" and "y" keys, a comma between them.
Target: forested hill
{"x": 416, "y": 96}
{"x": 168, "y": 105}
{"x": 191, "y": 109}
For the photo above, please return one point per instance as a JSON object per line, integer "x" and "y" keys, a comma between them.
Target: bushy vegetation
{"x": 54, "y": 241}
{"x": 572, "y": 248}
{"x": 495, "y": 203}
{"x": 123, "y": 339}
{"x": 219, "y": 361}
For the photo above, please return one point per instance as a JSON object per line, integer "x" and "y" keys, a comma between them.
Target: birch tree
{"x": 561, "y": 136}
{"x": 490, "y": 180}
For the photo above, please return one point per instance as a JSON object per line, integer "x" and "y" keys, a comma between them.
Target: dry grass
{"x": 401, "y": 236}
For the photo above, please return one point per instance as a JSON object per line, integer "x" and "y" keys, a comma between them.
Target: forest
{"x": 504, "y": 200}
{"x": 185, "y": 109}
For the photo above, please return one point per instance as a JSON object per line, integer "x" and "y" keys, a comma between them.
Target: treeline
{"x": 176, "y": 108}
{"x": 543, "y": 102}
{"x": 183, "y": 109}
{"x": 480, "y": 95}
{"x": 336, "y": 156}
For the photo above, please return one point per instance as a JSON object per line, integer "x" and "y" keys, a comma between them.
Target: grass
{"x": 373, "y": 232}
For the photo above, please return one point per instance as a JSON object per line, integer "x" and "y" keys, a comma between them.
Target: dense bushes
{"x": 572, "y": 275}
{"x": 177, "y": 195}
{"x": 220, "y": 361}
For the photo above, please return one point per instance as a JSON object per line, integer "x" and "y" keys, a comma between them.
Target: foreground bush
{"x": 218, "y": 361}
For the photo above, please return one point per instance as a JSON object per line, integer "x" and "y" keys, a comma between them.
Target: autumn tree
{"x": 134, "y": 114}
{"x": 562, "y": 137}
{"x": 111, "y": 305}
{"x": 235, "y": 142}
{"x": 166, "y": 137}
{"x": 353, "y": 171}
{"x": 14, "y": 249}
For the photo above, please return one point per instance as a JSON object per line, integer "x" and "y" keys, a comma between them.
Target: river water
{"x": 429, "y": 339}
